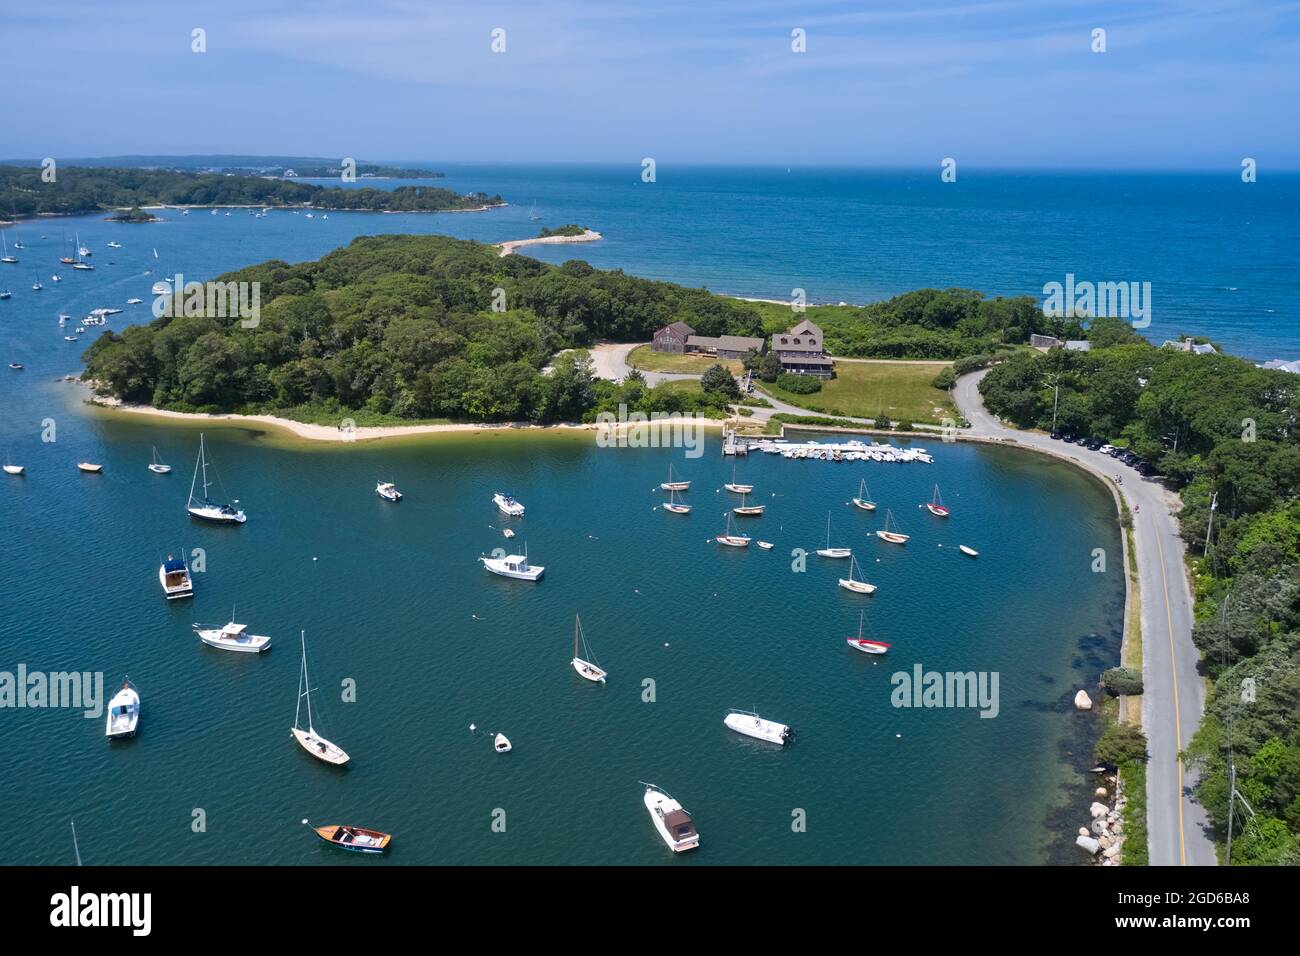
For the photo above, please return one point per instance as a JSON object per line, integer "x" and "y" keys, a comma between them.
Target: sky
{"x": 1182, "y": 84}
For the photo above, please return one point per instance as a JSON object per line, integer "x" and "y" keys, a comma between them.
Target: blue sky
{"x": 1183, "y": 84}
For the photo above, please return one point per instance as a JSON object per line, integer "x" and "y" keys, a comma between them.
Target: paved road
{"x": 1174, "y": 694}
{"x": 611, "y": 362}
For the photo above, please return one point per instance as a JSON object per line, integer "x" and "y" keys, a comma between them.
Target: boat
{"x": 89, "y": 467}
{"x": 828, "y": 551}
{"x": 69, "y": 338}
{"x": 17, "y": 366}
{"x": 967, "y": 549}
{"x": 56, "y": 278}
{"x": 114, "y": 245}
{"x": 736, "y": 486}
{"x": 507, "y": 505}
{"x": 513, "y": 566}
{"x": 13, "y": 469}
{"x": 507, "y": 533}
{"x": 388, "y": 491}
{"x": 174, "y": 576}
{"x": 83, "y": 266}
{"x": 134, "y": 301}
{"x": 853, "y": 584}
{"x": 123, "y": 712}
{"x": 83, "y": 250}
{"x": 936, "y": 505}
{"x": 232, "y": 637}
{"x": 765, "y": 545}
{"x": 6, "y": 258}
{"x": 207, "y": 509}
{"x": 861, "y": 643}
{"x": 671, "y": 820}
{"x": 671, "y": 485}
{"x": 861, "y": 500}
{"x": 748, "y": 509}
{"x": 36, "y": 286}
{"x": 584, "y": 667}
{"x": 312, "y": 742}
{"x": 532, "y": 213}
{"x": 889, "y": 534}
{"x": 157, "y": 467}
{"x": 162, "y": 287}
{"x": 752, "y": 725}
{"x": 501, "y": 744}
{"x": 6, "y": 294}
{"x": 732, "y": 540}
{"x": 674, "y": 506}
{"x": 356, "y": 839}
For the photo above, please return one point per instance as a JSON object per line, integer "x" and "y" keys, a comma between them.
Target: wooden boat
{"x": 671, "y": 820}
{"x": 123, "y": 712}
{"x": 748, "y": 509}
{"x": 889, "y": 534}
{"x": 501, "y": 744}
{"x": 760, "y": 728}
{"x": 732, "y": 540}
{"x": 312, "y": 742}
{"x": 671, "y": 485}
{"x": 861, "y": 643}
{"x": 584, "y": 667}
{"x": 157, "y": 467}
{"x": 736, "y": 486}
{"x": 673, "y": 506}
{"x": 828, "y": 551}
{"x": 89, "y": 468}
{"x": 936, "y": 505}
{"x": 966, "y": 549}
{"x": 356, "y": 839}
{"x": 174, "y": 576}
{"x": 853, "y": 584}
{"x": 861, "y": 500}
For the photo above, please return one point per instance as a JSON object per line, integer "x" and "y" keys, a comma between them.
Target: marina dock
{"x": 854, "y": 450}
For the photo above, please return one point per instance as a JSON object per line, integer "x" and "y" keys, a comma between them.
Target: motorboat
{"x": 671, "y": 820}
{"x": 752, "y": 725}
{"x": 388, "y": 491}
{"x": 174, "y": 576}
{"x": 513, "y": 566}
{"x": 356, "y": 839}
{"x": 501, "y": 744}
{"x": 123, "y": 712}
{"x": 232, "y": 637}
{"x": 507, "y": 505}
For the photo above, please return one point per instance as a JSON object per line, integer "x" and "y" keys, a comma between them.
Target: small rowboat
{"x": 862, "y": 501}
{"x": 765, "y": 545}
{"x": 501, "y": 744}
{"x": 936, "y": 505}
{"x": 893, "y": 537}
{"x": 966, "y": 549}
{"x": 89, "y": 468}
{"x": 356, "y": 839}
{"x": 508, "y": 533}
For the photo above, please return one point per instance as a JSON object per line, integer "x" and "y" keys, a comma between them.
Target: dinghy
{"x": 356, "y": 839}
{"x": 732, "y": 540}
{"x": 174, "y": 576}
{"x": 828, "y": 551}
{"x": 752, "y": 725}
{"x": 966, "y": 549}
{"x": 123, "y": 712}
{"x": 206, "y": 508}
{"x": 312, "y": 742}
{"x": 671, "y": 820}
{"x": 862, "y": 500}
{"x": 89, "y": 468}
{"x": 157, "y": 467}
{"x": 671, "y": 485}
{"x": 936, "y": 505}
{"x": 861, "y": 643}
{"x": 501, "y": 744}
{"x": 508, "y": 533}
{"x": 585, "y": 668}
{"x": 765, "y": 545}
{"x": 852, "y": 584}
{"x": 232, "y": 637}
{"x": 13, "y": 469}
{"x": 889, "y": 533}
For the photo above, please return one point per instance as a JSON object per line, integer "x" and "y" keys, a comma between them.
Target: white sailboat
{"x": 746, "y": 509}
{"x": 123, "y": 712}
{"x": 206, "y": 508}
{"x": 752, "y": 725}
{"x": 861, "y": 643}
{"x": 863, "y": 500}
{"x": 936, "y": 506}
{"x": 513, "y": 566}
{"x": 673, "y": 506}
{"x": 157, "y": 467}
{"x": 853, "y": 584}
{"x": 890, "y": 533}
{"x": 532, "y": 213}
{"x": 737, "y": 487}
{"x": 671, "y": 485}
{"x": 232, "y": 637}
{"x": 828, "y": 551}
{"x": 10, "y": 467}
{"x": 671, "y": 820}
{"x": 312, "y": 742}
{"x": 732, "y": 540}
{"x": 6, "y": 258}
{"x": 585, "y": 668}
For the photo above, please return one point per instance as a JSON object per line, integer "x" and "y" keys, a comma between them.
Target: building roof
{"x": 1285, "y": 366}
{"x": 820, "y": 360}
{"x": 1078, "y": 345}
{"x": 797, "y": 343}
{"x": 681, "y": 328}
{"x": 806, "y": 327}
{"x": 732, "y": 343}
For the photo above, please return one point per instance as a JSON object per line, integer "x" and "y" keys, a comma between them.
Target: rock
{"x": 1099, "y": 792}
{"x": 1104, "y": 840}
{"x": 1099, "y": 827}
{"x": 1087, "y": 843}
{"x": 1111, "y": 852}
{"x": 1083, "y": 831}
{"x": 1082, "y": 701}
{"x": 1098, "y": 810}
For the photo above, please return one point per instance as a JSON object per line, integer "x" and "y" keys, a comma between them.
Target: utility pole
{"x": 1209, "y": 525}
{"x": 1055, "y": 382}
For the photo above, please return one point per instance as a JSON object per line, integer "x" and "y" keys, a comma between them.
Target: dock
{"x": 854, "y": 450}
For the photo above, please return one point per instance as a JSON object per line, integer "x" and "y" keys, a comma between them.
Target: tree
{"x": 770, "y": 369}
{"x": 718, "y": 379}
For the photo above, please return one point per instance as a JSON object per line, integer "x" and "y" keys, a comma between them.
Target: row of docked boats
{"x": 854, "y": 450}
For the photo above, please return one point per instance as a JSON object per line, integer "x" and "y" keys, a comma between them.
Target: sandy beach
{"x": 589, "y": 235}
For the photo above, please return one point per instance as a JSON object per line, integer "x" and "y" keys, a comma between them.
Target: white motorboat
{"x": 508, "y": 533}
{"x": 114, "y": 245}
{"x": 673, "y": 506}
{"x": 206, "y": 508}
{"x": 671, "y": 485}
{"x": 890, "y": 532}
{"x": 89, "y": 467}
{"x": 828, "y": 551}
{"x": 966, "y": 549}
{"x": 174, "y": 576}
{"x": 513, "y": 566}
{"x": 737, "y": 487}
{"x": 671, "y": 820}
{"x": 157, "y": 467}
{"x": 861, "y": 643}
{"x": 585, "y": 668}
{"x": 123, "y": 712}
{"x": 13, "y": 469}
{"x": 752, "y": 725}
{"x": 388, "y": 491}
{"x": 862, "y": 499}
{"x": 507, "y": 505}
{"x": 69, "y": 338}
{"x": 232, "y": 637}
{"x": 766, "y": 545}
{"x": 308, "y": 739}
{"x": 501, "y": 744}
{"x": 134, "y": 301}
{"x": 732, "y": 540}
{"x": 853, "y": 584}
{"x": 162, "y": 287}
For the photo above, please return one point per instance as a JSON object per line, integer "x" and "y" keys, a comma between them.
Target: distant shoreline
{"x": 508, "y": 247}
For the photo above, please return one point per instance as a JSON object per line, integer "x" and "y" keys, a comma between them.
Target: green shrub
{"x": 904, "y": 426}
{"x": 1122, "y": 681}
{"x": 884, "y": 423}
{"x": 945, "y": 379}
{"x": 1119, "y": 744}
{"x": 799, "y": 384}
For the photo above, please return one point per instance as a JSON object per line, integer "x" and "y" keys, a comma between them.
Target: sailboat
{"x": 6, "y": 258}
{"x": 732, "y": 540}
{"x": 671, "y": 485}
{"x": 936, "y": 505}
{"x": 532, "y": 213}
{"x": 748, "y": 509}
{"x": 853, "y": 584}
{"x": 862, "y": 500}
{"x": 674, "y": 506}
{"x": 312, "y": 742}
{"x": 80, "y": 262}
{"x": 735, "y": 486}
{"x": 860, "y": 643}
{"x": 10, "y": 467}
{"x": 584, "y": 667}
{"x": 206, "y": 508}
{"x": 889, "y": 533}
{"x": 157, "y": 467}
{"x": 828, "y": 551}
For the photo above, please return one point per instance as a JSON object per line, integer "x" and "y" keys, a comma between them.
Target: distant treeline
{"x": 363, "y": 169}
{"x": 81, "y": 190}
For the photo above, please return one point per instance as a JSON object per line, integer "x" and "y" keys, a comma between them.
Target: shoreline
{"x": 509, "y": 246}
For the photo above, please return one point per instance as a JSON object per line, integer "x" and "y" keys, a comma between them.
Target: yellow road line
{"x": 1178, "y": 725}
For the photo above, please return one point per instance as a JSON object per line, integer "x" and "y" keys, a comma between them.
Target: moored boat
{"x": 356, "y": 839}
{"x": 936, "y": 506}
{"x": 501, "y": 744}
{"x": 862, "y": 499}
{"x": 966, "y": 549}
{"x": 889, "y": 533}
{"x": 738, "y": 487}
{"x": 732, "y": 540}
{"x": 232, "y": 637}
{"x": 746, "y": 509}
{"x": 174, "y": 576}
{"x": 507, "y": 505}
{"x": 206, "y": 508}
{"x": 513, "y": 566}
{"x": 853, "y": 584}
{"x": 863, "y": 644}
{"x": 673, "y": 506}
{"x": 671, "y": 820}
{"x": 752, "y": 725}
{"x": 310, "y": 741}
{"x": 766, "y": 545}
{"x": 828, "y": 551}
{"x": 388, "y": 491}
{"x": 89, "y": 467}
{"x": 585, "y": 668}
{"x": 671, "y": 485}
{"x": 123, "y": 712}
{"x": 157, "y": 467}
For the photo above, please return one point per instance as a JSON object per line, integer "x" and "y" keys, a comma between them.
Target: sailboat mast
{"x": 577, "y": 624}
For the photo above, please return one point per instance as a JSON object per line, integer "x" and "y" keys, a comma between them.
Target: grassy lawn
{"x": 648, "y": 360}
{"x": 864, "y": 389}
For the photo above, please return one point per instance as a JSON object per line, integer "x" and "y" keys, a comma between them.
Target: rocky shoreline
{"x": 1103, "y": 838}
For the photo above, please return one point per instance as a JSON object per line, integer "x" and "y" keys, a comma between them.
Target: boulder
{"x": 1098, "y": 810}
{"x": 1111, "y": 852}
{"x": 1083, "y": 831}
{"x": 1099, "y": 827}
{"x": 1082, "y": 701}
{"x": 1088, "y": 843}
{"x": 1099, "y": 792}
